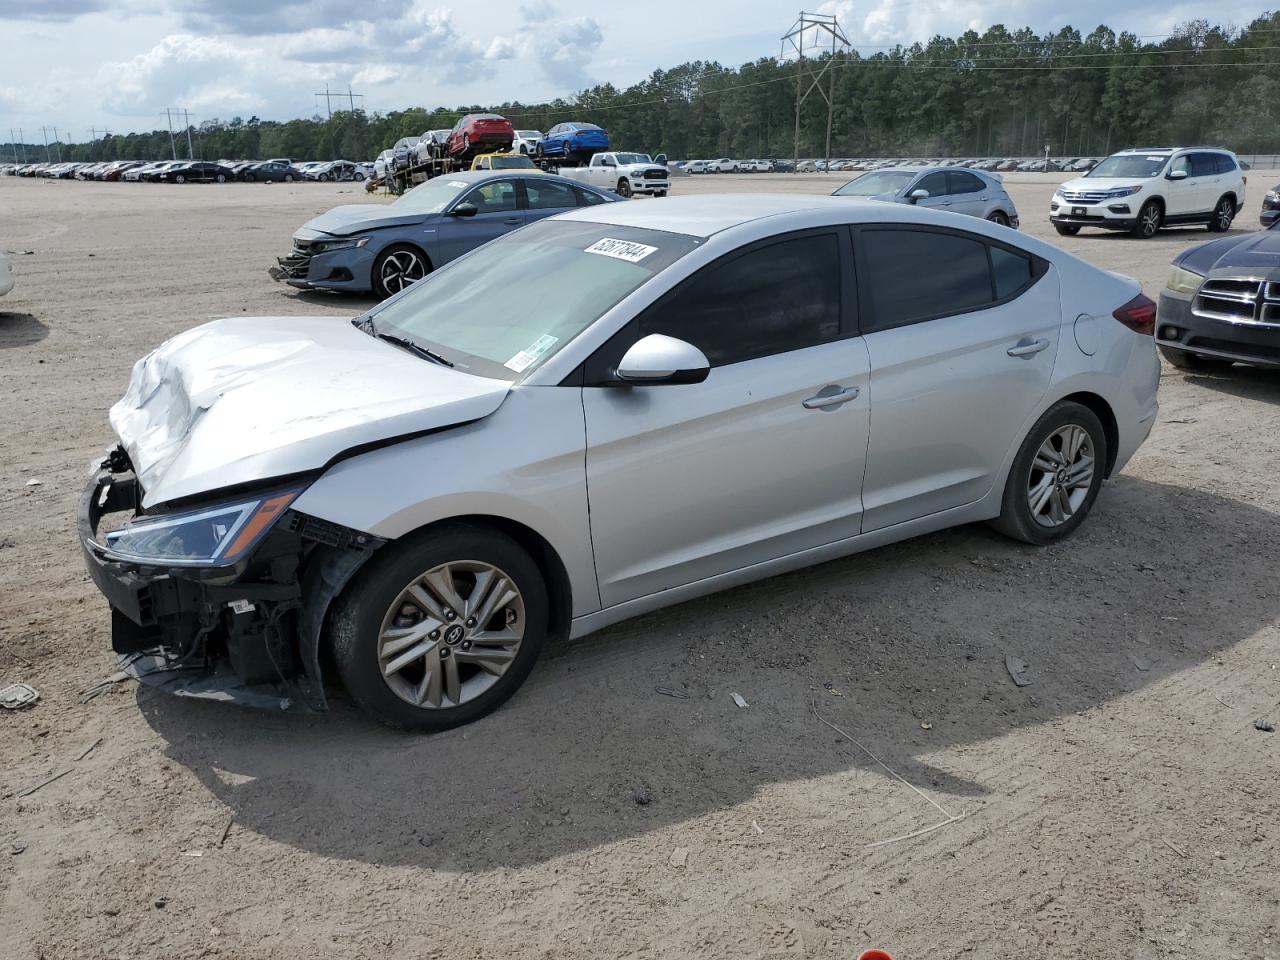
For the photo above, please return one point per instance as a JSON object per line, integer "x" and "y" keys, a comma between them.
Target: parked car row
{"x": 195, "y": 171}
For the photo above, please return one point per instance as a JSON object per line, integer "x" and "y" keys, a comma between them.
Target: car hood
{"x": 356, "y": 218}
{"x": 641, "y": 167}
{"x": 255, "y": 398}
{"x": 1254, "y": 254}
{"x": 1091, "y": 184}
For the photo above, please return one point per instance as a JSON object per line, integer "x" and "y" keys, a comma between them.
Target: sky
{"x": 117, "y": 64}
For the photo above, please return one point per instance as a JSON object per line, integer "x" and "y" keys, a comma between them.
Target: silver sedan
{"x": 596, "y": 416}
{"x": 953, "y": 189}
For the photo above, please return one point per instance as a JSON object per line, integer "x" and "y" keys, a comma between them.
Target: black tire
{"x": 381, "y": 289}
{"x": 1016, "y": 519}
{"x": 221, "y": 178}
{"x": 998, "y": 216}
{"x": 1185, "y": 360}
{"x": 660, "y": 193}
{"x": 288, "y": 178}
{"x": 1223, "y": 213}
{"x": 179, "y": 178}
{"x": 358, "y": 614}
{"x": 624, "y": 188}
{"x": 1150, "y": 219}
{"x": 358, "y": 177}
{"x": 1067, "y": 229}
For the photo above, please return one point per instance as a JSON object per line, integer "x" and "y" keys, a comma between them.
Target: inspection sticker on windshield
{"x": 621, "y": 249}
{"x": 522, "y": 360}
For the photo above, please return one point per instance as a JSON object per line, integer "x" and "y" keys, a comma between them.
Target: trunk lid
{"x": 255, "y": 398}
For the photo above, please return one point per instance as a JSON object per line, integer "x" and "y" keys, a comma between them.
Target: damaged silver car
{"x": 596, "y": 416}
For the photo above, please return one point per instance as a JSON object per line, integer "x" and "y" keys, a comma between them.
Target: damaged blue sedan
{"x": 383, "y": 248}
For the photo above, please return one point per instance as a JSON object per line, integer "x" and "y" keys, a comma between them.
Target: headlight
{"x": 213, "y": 536}
{"x": 327, "y": 246}
{"x": 1184, "y": 281}
{"x": 1123, "y": 191}
{"x": 1273, "y": 196}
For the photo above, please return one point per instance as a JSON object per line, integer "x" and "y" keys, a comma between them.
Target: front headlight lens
{"x": 1123, "y": 191}
{"x": 1184, "y": 281}
{"x": 213, "y": 536}
{"x": 328, "y": 246}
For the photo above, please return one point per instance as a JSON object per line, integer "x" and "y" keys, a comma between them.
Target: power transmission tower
{"x": 350, "y": 97}
{"x": 44, "y": 132}
{"x": 811, "y": 37}
{"x": 22, "y": 138}
{"x": 173, "y": 147}
{"x": 14, "y": 144}
{"x": 186, "y": 120}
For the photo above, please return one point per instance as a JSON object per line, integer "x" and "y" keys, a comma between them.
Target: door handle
{"x": 831, "y": 396}
{"x": 1027, "y": 348}
{"x": 512, "y": 220}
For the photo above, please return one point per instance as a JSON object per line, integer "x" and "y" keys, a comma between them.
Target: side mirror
{"x": 1177, "y": 175}
{"x": 661, "y": 359}
{"x": 464, "y": 210}
{"x": 917, "y": 195}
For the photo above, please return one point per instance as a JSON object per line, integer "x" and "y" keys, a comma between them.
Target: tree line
{"x": 996, "y": 93}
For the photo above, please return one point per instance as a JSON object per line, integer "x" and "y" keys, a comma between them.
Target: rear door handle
{"x": 831, "y": 396}
{"x": 1027, "y": 348}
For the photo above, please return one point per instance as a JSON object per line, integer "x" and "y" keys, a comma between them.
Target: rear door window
{"x": 1203, "y": 165}
{"x": 960, "y": 182}
{"x": 548, "y": 194}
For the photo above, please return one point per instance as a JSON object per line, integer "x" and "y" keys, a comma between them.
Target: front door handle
{"x": 513, "y": 220}
{"x": 830, "y": 396}
{"x": 1027, "y": 348}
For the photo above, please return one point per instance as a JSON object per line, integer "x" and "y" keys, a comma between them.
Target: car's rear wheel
{"x": 440, "y": 629}
{"x": 624, "y": 188}
{"x": 221, "y": 178}
{"x": 999, "y": 216}
{"x": 1223, "y": 214}
{"x": 1149, "y": 220}
{"x": 1185, "y": 360}
{"x": 396, "y": 268}
{"x": 358, "y": 177}
{"x": 179, "y": 178}
{"x": 1056, "y": 475}
{"x": 1067, "y": 229}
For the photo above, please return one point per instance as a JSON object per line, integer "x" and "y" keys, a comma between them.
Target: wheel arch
{"x": 393, "y": 242}
{"x": 1110, "y": 428}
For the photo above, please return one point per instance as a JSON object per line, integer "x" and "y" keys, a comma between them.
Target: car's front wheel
{"x": 1067, "y": 229}
{"x": 1149, "y": 219}
{"x": 1000, "y": 217}
{"x": 1223, "y": 214}
{"x": 441, "y": 628}
{"x": 396, "y": 268}
{"x": 1185, "y": 360}
{"x": 1056, "y": 475}
{"x": 624, "y": 188}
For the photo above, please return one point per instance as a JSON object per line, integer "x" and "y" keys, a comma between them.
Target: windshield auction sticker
{"x": 458, "y": 183}
{"x": 522, "y": 360}
{"x": 621, "y": 249}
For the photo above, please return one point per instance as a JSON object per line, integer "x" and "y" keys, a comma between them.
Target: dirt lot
{"x": 1121, "y": 805}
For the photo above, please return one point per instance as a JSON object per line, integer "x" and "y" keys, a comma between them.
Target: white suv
{"x": 1144, "y": 190}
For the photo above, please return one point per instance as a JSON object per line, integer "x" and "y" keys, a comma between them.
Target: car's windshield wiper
{"x": 415, "y": 348}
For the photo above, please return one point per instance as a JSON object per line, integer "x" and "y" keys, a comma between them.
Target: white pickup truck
{"x": 624, "y": 173}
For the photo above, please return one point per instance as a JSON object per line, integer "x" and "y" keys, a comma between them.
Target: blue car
{"x": 383, "y": 248}
{"x": 573, "y": 141}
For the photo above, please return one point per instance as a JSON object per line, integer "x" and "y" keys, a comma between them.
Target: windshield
{"x": 1142, "y": 166}
{"x": 633, "y": 158}
{"x": 874, "y": 184}
{"x": 432, "y": 196}
{"x": 541, "y": 287}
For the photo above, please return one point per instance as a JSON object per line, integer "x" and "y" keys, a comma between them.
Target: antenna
{"x": 827, "y": 38}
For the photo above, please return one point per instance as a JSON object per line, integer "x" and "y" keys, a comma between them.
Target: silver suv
{"x": 1144, "y": 189}
{"x": 950, "y": 189}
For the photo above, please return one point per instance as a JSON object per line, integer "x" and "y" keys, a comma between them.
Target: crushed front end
{"x": 223, "y": 599}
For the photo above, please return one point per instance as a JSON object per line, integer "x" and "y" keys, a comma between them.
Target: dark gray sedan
{"x": 385, "y": 247}
{"x": 952, "y": 189}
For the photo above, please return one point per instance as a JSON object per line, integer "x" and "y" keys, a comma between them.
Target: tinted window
{"x": 586, "y": 198}
{"x": 781, "y": 297}
{"x": 1203, "y": 165}
{"x": 1011, "y": 271}
{"x": 916, "y": 275}
{"x": 548, "y": 195}
{"x": 496, "y": 197}
{"x": 1223, "y": 163}
{"x": 959, "y": 182}
{"x": 935, "y": 183}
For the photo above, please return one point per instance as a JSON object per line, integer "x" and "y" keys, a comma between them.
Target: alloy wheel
{"x": 400, "y": 269}
{"x": 1061, "y": 475}
{"x": 1225, "y": 216}
{"x": 451, "y": 634}
{"x": 1150, "y": 220}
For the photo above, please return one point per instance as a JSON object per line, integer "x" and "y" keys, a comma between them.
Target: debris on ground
{"x": 18, "y": 695}
{"x": 757, "y": 827}
{"x": 926, "y": 725}
{"x": 679, "y": 856}
{"x": 226, "y": 831}
{"x": 642, "y": 797}
{"x": 26, "y": 792}
{"x": 1017, "y": 670}
{"x": 33, "y": 482}
{"x": 98, "y": 689}
{"x": 89, "y": 749}
{"x": 1184, "y": 420}
{"x": 831, "y": 689}
{"x": 1266, "y": 726}
{"x": 193, "y": 853}
{"x": 1140, "y": 663}
{"x": 161, "y": 902}
{"x": 669, "y": 692}
{"x": 737, "y": 698}
{"x": 17, "y": 847}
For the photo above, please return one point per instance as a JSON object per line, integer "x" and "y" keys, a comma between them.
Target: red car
{"x": 480, "y": 133}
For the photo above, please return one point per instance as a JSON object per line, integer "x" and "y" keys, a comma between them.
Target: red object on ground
{"x": 874, "y": 955}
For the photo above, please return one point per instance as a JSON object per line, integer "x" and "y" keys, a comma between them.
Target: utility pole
{"x": 45, "y": 133}
{"x": 828, "y": 39}
{"x": 13, "y": 143}
{"x": 186, "y": 120}
{"x": 173, "y": 148}
{"x": 22, "y": 137}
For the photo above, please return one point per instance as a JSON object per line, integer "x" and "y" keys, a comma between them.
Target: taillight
{"x": 1139, "y": 315}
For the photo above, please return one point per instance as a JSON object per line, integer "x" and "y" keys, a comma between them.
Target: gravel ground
{"x": 1121, "y": 805}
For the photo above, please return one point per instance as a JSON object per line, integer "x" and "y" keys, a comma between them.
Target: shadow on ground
{"x": 1249, "y": 383}
{"x": 909, "y": 633}
{"x": 20, "y": 330}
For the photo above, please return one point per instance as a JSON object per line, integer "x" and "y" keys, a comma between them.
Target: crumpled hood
{"x": 254, "y": 398}
{"x": 354, "y": 218}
